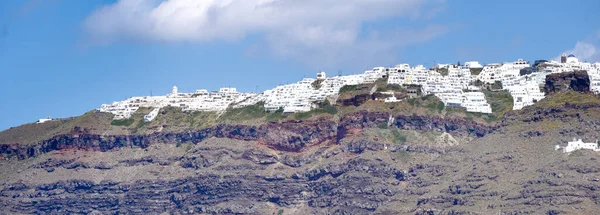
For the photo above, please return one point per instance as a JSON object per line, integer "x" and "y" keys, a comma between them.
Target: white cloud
{"x": 291, "y": 28}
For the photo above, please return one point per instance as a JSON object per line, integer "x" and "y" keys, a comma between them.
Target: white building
{"x": 473, "y": 65}
{"x": 201, "y": 100}
{"x": 502, "y": 72}
{"x": 455, "y": 89}
{"x": 397, "y": 75}
{"x": 40, "y": 121}
{"x": 301, "y": 96}
{"x": 373, "y": 75}
{"x": 321, "y": 76}
{"x": 475, "y": 102}
{"x": 150, "y": 116}
{"x": 524, "y": 90}
{"x": 391, "y": 99}
{"x": 577, "y": 144}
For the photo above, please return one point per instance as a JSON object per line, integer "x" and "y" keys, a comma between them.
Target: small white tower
{"x": 174, "y": 91}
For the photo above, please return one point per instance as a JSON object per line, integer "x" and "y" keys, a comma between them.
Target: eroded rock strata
{"x": 289, "y": 136}
{"x": 350, "y": 166}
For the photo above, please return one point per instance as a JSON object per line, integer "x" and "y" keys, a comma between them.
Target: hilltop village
{"x": 454, "y": 84}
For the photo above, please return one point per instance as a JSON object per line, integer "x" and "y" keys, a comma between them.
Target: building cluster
{"x": 454, "y": 84}
{"x": 455, "y": 88}
{"x": 301, "y": 96}
{"x": 578, "y": 144}
{"x": 571, "y": 63}
{"x": 525, "y": 88}
{"x": 201, "y": 100}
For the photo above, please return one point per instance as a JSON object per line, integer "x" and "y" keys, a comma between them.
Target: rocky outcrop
{"x": 356, "y": 100}
{"x": 578, "y": 81}
{"x": 296, "y": 136}
{"x": 454, "y": 126}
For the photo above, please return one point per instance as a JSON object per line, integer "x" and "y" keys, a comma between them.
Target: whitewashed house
{"x": 150, "y": 116}
{"x": 40, "y": 121}
{"x": 578, "y": 144}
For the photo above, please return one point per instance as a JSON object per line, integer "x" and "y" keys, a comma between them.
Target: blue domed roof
{"x": 571, "y": 55}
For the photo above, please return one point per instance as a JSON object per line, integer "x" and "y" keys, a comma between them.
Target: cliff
{"x": 501, "y": 171}
{"x": 407, "y": 158}
{"x": 288, "y": 136}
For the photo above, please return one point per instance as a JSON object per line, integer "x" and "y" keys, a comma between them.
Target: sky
{"x": 62, "y": 58}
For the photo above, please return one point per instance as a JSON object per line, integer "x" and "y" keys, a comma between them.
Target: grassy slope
{"x": 559, "y": 99}
{"x": 173, "y": 119}
{"x": 32, "y": 132}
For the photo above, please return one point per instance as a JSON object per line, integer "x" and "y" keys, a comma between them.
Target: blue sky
{"x": 62, "y": 58}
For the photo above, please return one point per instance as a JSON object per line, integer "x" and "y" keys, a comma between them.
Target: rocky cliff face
{"x": 286, "y": 136}
{"x": 356, "y": 100}
{"x": 355, "y": 177}
{"x": 207, "y": 193}
{"x": 289, "y": 136}
{"x": 316, "y": 167}
{"x": 455, "y": 126}
{"x": 577, "y": 81}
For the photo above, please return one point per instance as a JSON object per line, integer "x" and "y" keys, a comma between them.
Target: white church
{"x": 578, "y": 144}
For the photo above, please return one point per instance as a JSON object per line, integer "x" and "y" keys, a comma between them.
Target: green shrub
{"x": 255, "y": 111}
{"x": 347, "y": 88}
{"x": 431, "y": 106}
{"x": 276, "y": 116}
{"x": 497, "y": 85}
{"x": 122, "y": 122}
{"x": 328, "y": 108}
{"x": 382, "y": 125}
{"x": 500, "y": 101}
{"x": 325, "y": 108}
{"x": 398, "y": 138}
{"x": 476, "y": 71}
{"x": 440, "y": 106}
{"x": 395, "y": 87}
{"x": 413, "y": 102}
{"x": 303, "y": 115}
{"x": 139, "y": 126}
{"x": 280, "y": 212}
